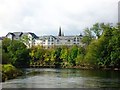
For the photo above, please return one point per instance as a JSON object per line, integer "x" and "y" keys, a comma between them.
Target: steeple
{"x": 60, "y": 33}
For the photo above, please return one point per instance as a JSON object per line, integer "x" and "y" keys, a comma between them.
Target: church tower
{"x": 60, "y": 33}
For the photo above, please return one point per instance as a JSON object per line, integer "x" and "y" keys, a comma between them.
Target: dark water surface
{"x": 65, "y": 78}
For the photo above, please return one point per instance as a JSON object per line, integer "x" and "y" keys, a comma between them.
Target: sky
{"x": 44, "y": 17}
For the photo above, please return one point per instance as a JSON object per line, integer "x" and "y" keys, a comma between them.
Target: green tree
{"x": 37, "y": 54}
{"x": 72, "y": 55}
{"x": 97, "y": 29}
{"x": 64, "y": 56}
{"x": 18, "y": 54}
{"x": 5, "y": 44}
{"x": 114, "y": 46}
{"x": 80, "y": 56}
{"x": 87, "y": 38}
{"x": 47, "y": 57}
{"x": 26, "y": 40}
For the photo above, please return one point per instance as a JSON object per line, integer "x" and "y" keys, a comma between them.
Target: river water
{"x": 65, "y": 78}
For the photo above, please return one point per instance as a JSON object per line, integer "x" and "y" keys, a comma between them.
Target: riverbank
{"x": 10, "y": 72}
{"x": 93, "y": 68}
{"x": 82, "y": 67}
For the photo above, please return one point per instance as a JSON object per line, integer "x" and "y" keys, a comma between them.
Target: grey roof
{"x": 65, "y": 37}
{"x": 33, "y": 35}
{"x": 11, "y": 34}
{"x": 59, "y": 37}
{"x": 17, "y": 33}
{"x": 46, "y": 37}
{"x": 1, "y": 38}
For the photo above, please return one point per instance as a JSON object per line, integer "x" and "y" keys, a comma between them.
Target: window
{"x": 16, "y": 38}
{"x": 68, "y": 40}
{"x": 52, "y": 40}
{"x": 74, "y": 39}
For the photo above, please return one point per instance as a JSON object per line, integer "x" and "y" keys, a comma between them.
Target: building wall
{"x": 10, "y": 36}
{"x": 50, "y": 41}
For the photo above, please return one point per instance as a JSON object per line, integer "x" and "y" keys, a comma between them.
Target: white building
{"x": 47, "y": 41}
{"x": 29, "y": 41}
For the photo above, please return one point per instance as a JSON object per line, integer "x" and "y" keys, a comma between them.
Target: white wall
{"x": 10, "y": 36}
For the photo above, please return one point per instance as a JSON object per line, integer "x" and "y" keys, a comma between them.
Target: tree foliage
{"x": 15, "y": 52}
{"x": 103, "y": 51}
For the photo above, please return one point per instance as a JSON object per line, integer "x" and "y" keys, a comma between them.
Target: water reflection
{"x": 65, "y": 78}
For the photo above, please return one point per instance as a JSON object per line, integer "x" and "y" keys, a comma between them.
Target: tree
{"x": 26, "y": 40}
{"x": 72, "y": 55}
{"x": 5, "y": 43}
{"x": 64, "y": 56}
{"x": 5, "y": 57}
{"x": 102, "y": 51}
{"x": 80, "y": 56}
{"x": 57, "y": 56}
{"x": 97, "y": 30}
{"x": 87, "y": 38}
{"x": 114, "y": 46}
{"x": 18, "y": 54}
{"x": 37, "y": 54}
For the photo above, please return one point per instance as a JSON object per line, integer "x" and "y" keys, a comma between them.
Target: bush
{"x": 10, "y": 72}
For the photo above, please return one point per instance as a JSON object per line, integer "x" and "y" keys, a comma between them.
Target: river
{"x": 65, "y": 78}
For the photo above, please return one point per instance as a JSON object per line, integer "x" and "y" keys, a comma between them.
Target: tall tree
{"x": 26, "y": 40}
{"x": 87, "y": 38}
{"x": 97, "y": 30}
{"x": 18, "y": 54}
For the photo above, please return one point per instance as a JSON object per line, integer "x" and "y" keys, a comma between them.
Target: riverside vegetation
{"x": 101, "y": 49}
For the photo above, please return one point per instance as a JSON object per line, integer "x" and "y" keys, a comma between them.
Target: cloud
{"x": 45, "y": 16}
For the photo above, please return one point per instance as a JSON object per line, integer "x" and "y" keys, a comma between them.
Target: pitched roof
{"x": 10, "y": 33}
{"x": 59, "y": 37}
{"x": 18, "y": 33}
{"x": 33, "y": 35}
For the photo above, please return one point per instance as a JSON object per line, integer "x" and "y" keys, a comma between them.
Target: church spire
{"x": 60, "y": 33}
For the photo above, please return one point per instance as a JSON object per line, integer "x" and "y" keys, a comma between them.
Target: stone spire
{"x": 60, "y": 33}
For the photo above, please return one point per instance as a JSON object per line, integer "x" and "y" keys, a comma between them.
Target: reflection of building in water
{"x": 49, "y": 40}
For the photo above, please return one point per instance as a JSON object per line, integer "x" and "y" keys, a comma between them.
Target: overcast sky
{"x": 43, "y": 17}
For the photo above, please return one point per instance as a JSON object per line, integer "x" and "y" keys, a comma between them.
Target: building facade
{"x": 47, "y": 41}
{"x": 29, "y": 41}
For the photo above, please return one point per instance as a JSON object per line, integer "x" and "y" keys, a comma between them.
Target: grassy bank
{"x": 10, "y": 72}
